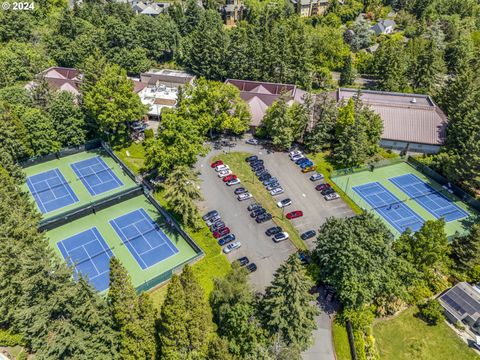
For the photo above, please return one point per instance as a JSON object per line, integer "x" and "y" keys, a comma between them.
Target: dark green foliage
{"x": 41, "y": 136}
{"x": 347, "y": 76}
{"x": 431, "y": 312}
{"x": 13, "y": 134}
{"x": 391, "y": 66}
{"x": 322, "y": 134}
{"x": 465, "y": 252}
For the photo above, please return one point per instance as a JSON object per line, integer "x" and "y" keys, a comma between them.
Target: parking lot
{"x": 258, "y": 247}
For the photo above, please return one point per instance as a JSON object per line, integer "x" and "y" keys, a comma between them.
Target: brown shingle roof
{"x": 406, "y": 117}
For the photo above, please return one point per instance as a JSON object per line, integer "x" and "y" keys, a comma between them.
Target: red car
{"x": 321, "y": 187}
{"x": 222, "y": 232}
{"x": 294, "y": 214}
{"x": 216, "y": 163}
{"x": 229, "y": 177}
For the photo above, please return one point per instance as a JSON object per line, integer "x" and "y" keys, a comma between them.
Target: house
{"x": 462, "y": 304}
{"x": 306, "y": 8}
{"x": 159, "y": 89}
{"x": 411, "y": 122}
{"x": 383, "y": 27}
{"x": 261, "y": 95}
{"x": 232, "y": 12}
{"x": 61, "y": 79}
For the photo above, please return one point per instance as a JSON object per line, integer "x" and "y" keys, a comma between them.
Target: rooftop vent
{"x": 413, "y": 101}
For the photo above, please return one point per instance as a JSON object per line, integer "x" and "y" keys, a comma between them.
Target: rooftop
{"x": 462, "y": 300}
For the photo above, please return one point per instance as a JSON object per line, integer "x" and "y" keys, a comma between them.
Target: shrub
{"x": 431, "y": 312}
{"x": 8, "y": 338}
{"x": 149, "y": 134}
{"x": 459, "y": 325}
{"x": 22, "y": 356}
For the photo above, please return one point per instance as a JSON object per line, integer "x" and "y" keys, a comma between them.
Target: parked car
{"x": 272, "y": 186}
{"x": 213, "y": 220}
{"x": 256, "y": 162}
{"x": 321, "y": 187}
{"x": 258, "y": 168}
{"x": 252, "y": 267}
{"x": 316, "y": 177}
{"x": 277, "y": 191}
{"x": 301, "y": 160}
{"x": 327, "y": 191}
{"x": 226, "y": 239}
{"x": 240, "y": 190}
{"x": 216, "y": 163}
{"x": 251, "y": 158}
{"x": 221, "y": 167}
{"x": 232, "y": 246}
{"x": 297, "y": 157}
{"x": 332, "y": 196}
{"x": 269, "y": 181}
{"x": 254, "y": 206}
{"x": 223, "y": 173}
{"x": 280, "y": 236}
{"x": 229, "y": 177}
{"x": 265, "y": 177}
{"x": 233, "y": 182}
{"x": 309, "y": 169}
{"x": 263, "y": 217}
{"x": 217, "y": 226}
{"x": 244, "y": 196}
{"x": 210, "y": 215}
{"x": 257, "y": 212}
{"x": 294, "y": 152}
{"x": 273, "y": 230}
{"x": 221, "y": 232}
{"x": 308, "y": 234}
{"x": 243, "y": 261}
{"x": 252, "y": 141}
{"x": 304, "y": 258}
{"x": 261, "y": 172}
{"x": 284, "y": 203}
{"x": 306, "y": 164}
{"x": 295, "y": 214}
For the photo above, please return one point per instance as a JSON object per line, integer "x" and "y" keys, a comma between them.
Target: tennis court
{"x": 399, "y": 215}
{"x": 143, "y": 237}
{"x": 96, "y": 176}
{"x": 428, "y": 198}
{"x": 90, "y": 255}
{"x": 51, "y": 191}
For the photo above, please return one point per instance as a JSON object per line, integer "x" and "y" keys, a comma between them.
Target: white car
{"x": 332, "y": 196}
{"x": 232, "y": 246}
{"x": 223, "y": 173}
{"x": 277, "y": 191}
{"x": 233, "y": 182}
{"x": 221, "y": 168}
{"x": 284, "y": 203}
{"x": 297, "y": 157}
{"x": 280, "y": 237}
{"x": 252, "y": 141}
{"x": 316, "y": 177}
{"x": 244, "y": 196}
{"x": 294, "y": 153}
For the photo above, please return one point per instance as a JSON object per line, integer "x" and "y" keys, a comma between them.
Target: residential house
{"x": 306, "y": 8}
{"x": 462, "y": 304}
{"x": 260, "y": 96}
{"x": 384, "y": 27}
{"x": 411, "y": 122}
{"x": 61, "y": 79}
{"x": 232, "y": 12}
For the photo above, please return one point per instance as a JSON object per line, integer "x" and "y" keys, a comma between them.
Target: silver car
{"x": 280, "y": 237}
{"x": 232, "y": 246}
{"x": 277, "y": 191}
{"x": 244, "y": 196}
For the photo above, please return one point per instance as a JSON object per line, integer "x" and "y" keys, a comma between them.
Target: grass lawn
{"x": 340, "y": 342}
{"x": 236, "y": 161}
{"x": 406, "y": 337}
{"x": 136, "y": 160}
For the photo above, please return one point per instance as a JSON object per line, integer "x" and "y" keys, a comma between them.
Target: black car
{"x": 243, "y": 261}
{"x": 226, "y": 239}
{"x": 273, "y": 230}
{"x": 327, "y": 191}
{"x": 252, "y": 267}
{"x": 258, "y": 168}
{"x": 261, "y": 172}
{"x": 217, "y": 226}
{"x": 263, "y": 217}
{"x": 251, "y": 158}
{"x": 308, "y": 234}
{"x": 210, "y": 215}
{"x": 254, "y": 206}
{"x": 257, "y": 212}
{"x": 240, "y": 190}
{"x": 265, "y": 177}
{"x": 270, "y": 181}
{"x": 256, "y": 162}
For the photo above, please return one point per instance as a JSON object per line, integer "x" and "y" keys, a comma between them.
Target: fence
{"x": 466, "y": 198}
{"x": 367, "y": 167}
{"x": 124, "y": 167}
{"x": 351, "y": 340}
{"x": 90, "y": 145}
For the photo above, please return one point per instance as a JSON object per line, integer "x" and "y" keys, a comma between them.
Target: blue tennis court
{"x": 90, "y": 255}
{"x": 143, "y": 237}
{"x": 399, "y": 215}
{"x": 96, "y": 175}
{"x": 427, "y": 197}
{"x": 51, "y": 191}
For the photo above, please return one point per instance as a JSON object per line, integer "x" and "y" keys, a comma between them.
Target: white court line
{"x": 163, "y": 236}
{"x": 128, "y": 244}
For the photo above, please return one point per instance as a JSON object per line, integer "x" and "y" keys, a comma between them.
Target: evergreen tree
{"x": 218, "y": 349}
{"x": 322, "y": 134}
{"x": 243, "y": 53}
{"x": 391, "y": 66}
{"x": 466, "y": 250}
{"x": 13, "y": 134}
{"x": 347, "y": 76}
{"x": 286, "y": 306}
{"x": 429, "y": 69}
{"x": 278, "y": 124}
{"x": 41, "y": 135}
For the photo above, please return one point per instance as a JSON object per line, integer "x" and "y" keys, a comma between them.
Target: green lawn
{"x": 406, "y": 337}
{"x": 240, "y": 167}
{"x": 340, "y": 342}
{"x": 136, "y": 158}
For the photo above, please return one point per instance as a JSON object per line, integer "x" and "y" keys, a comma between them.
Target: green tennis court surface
{"x": 122, "y": 248}
{"x": 81, "y": 186}
{"x": 411, "y": 204}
